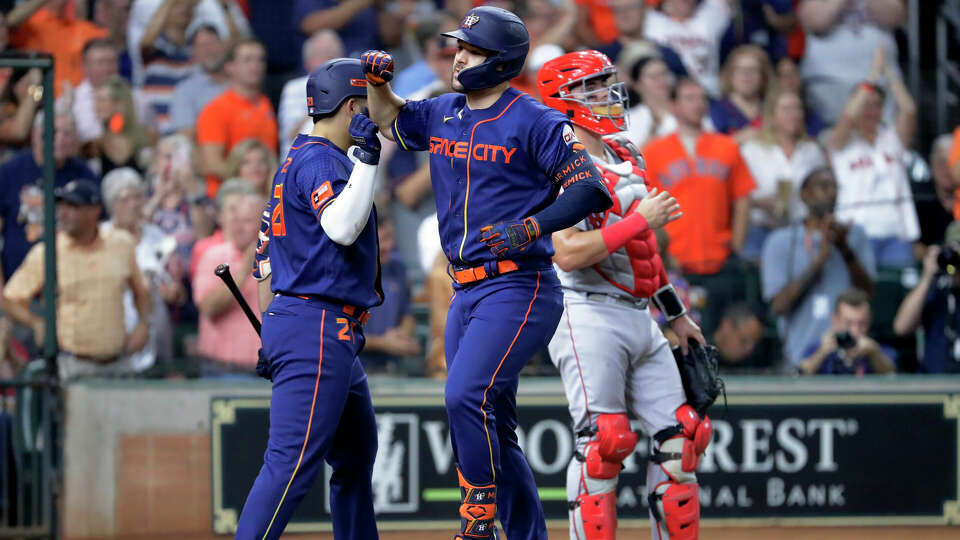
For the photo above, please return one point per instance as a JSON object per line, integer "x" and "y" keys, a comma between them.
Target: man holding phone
{"x": 845, "y": 348}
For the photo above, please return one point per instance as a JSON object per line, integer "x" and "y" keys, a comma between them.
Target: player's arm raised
{"x": 383, "y": 103}
{"x": 345, "y": 217}
{"x": 576, "y": 249}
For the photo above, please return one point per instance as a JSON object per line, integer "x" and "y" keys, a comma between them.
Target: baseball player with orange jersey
{"x": 498, "y": 160}
{"x": 611, "y": 354}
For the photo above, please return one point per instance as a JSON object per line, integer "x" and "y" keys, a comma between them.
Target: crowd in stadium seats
{"x": 815, "y": 239}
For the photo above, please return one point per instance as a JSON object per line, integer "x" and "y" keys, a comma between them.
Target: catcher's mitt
{"x": 700, "y": 375}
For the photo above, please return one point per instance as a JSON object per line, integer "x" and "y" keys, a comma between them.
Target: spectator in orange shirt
{"x": 52, "y": 27}
{"x": 710, "y": 180}
{"x": 240, "y": 112}
{"x": 953, "y": 159}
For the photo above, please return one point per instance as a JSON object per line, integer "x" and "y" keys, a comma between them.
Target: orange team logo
{"x": 481, "y": 152}
{"x": 309, "y": 101}
{"x": 358, "y": 82}
{"x": 469, "y": 21}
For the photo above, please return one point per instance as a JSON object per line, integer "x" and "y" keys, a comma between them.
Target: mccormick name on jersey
{"x": 481, "y": 152}
{"x": 567, "y": 175}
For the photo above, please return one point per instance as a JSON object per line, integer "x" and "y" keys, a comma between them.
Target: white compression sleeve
{"x": 346, "y": 216}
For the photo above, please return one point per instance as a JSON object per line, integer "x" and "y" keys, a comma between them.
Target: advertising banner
{"x": 797, "y": 459}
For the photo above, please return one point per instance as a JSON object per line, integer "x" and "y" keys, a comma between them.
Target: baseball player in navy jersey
{"x": 498, "y": 159}
{"x": 612, "y": 356}
{"x": 324, "y": 270}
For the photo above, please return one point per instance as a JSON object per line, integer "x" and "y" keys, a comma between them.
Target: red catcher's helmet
{"x": 562, "y": 83}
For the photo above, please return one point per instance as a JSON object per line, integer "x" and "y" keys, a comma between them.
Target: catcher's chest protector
{"x": 635, "y": 268}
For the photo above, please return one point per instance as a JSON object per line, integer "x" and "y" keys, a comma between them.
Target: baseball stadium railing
{"x": 948, "y": 74}
{"x": 30, "y": 446}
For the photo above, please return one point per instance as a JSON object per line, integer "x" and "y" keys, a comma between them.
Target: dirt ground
{"x": 707, "y": 533}
{"x": 753, "y": 533}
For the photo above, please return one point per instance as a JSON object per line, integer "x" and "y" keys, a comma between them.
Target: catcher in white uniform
{"x": 610, "y": 352}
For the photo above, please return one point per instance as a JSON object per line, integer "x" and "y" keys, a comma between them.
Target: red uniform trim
{"x": 583, "y": 384}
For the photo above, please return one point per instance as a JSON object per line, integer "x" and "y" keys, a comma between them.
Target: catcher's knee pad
{"x": 594, "y": 513}
{"x": 679, "y": 447}
{"x": 614, "y": 441}
{"x": 478, "y": 508}
{"x": 676, "y": 507}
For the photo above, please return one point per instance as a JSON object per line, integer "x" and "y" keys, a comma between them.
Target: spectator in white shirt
{"x": 292, "y": 110}
{"x": 694, "y": 31}
{"x": 779, "y": 157}
{"x": 840, "y": 37}
{"x": 867, "y": 156}
{"x": 99, "y": 64}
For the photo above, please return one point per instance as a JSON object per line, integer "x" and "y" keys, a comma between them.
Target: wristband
{"x": 617, "y": 235}
{"x": 366, "y": 156}
{"x": 669, "y": 303}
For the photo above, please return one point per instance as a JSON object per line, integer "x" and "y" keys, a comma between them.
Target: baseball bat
{"x": 223, "y": 272}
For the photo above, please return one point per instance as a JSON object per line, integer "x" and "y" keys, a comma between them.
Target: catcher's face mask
{"x": 603, "y": 96}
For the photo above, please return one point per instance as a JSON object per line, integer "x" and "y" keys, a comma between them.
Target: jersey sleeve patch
{"x": 321, "y": 195}
{"x": 261, "y": 260}
{"x": 569, "y": 137}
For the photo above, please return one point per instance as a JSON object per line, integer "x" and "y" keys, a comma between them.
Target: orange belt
{"x": 477, "y": 273}
{"x": 361, "y": 315}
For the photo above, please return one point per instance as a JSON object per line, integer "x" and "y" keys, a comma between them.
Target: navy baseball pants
{"x": 493, "y": 328}
{"x": 320, "y": 411}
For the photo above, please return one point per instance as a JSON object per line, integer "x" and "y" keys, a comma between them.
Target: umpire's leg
{"x": 352, "y": 455}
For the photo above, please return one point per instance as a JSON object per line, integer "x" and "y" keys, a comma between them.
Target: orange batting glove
{"x": 377, "y": 67}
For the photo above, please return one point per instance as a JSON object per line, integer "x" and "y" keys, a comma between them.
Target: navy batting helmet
{"x": 332, "y": 83}
{"x": 499, "y": 31}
